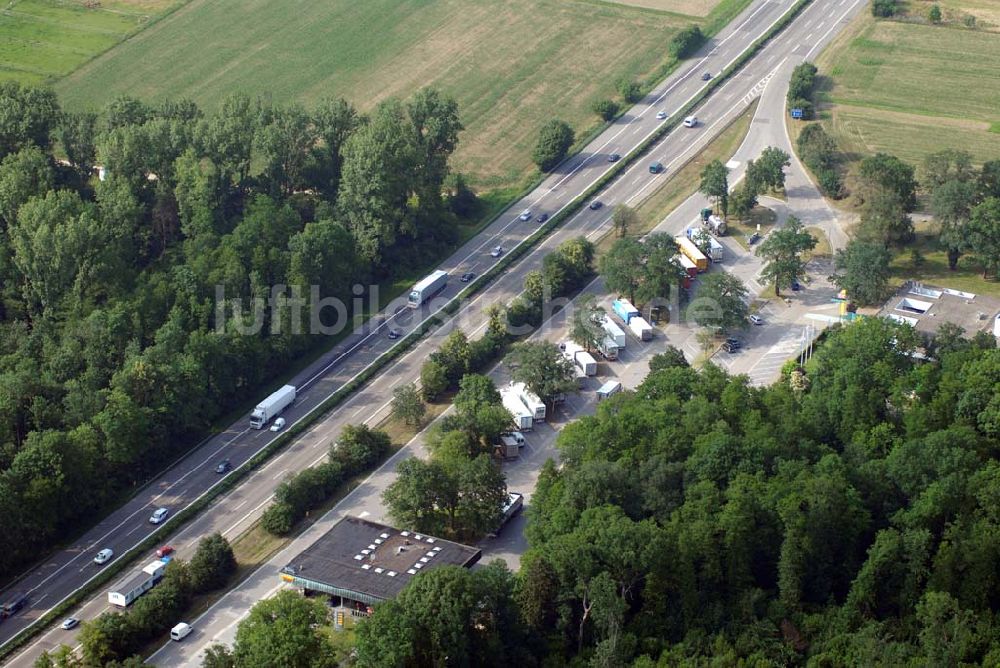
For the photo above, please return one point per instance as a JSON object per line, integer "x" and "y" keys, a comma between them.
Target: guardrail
{"x": 430, "y": 323}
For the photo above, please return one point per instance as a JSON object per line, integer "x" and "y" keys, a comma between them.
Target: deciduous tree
{"x": 782, "y": 252}
{"x": 554, "y": 141}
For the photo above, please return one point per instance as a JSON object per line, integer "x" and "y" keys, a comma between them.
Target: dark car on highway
{"x": 542, "y": 217}
{"x": 596, "y": 204}
{"x": 706, "y": 76}
{"x": 394, "y": 334}
{"x": 225, "y": 466}
{"x": 467, "y": 276}
{"x": 614, "y": 157}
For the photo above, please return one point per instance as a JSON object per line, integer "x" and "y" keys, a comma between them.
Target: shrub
{"x": 554, "y": 141}
{"x": 686, "y": 42}
{"x": 278, "y": 519}
{"x": 883, "y": 8}
{"x": 630, "y": 91}
{"x": 212, "y": 564}
{"x": 433, "y": 380}
{"x": 606, "y": 109}
{"x": 830, "y": 183}
{"x": 359, "y": 448}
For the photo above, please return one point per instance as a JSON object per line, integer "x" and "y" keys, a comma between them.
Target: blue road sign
{"x": 796, "y": 113}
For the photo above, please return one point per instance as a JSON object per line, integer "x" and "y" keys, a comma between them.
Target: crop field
{"x": 510, "y": 64}
{"x": 911, "y": 89}
{"x": 41, "y": 40}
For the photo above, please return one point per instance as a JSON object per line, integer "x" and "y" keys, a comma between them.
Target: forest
{"x": 114, "y": 358}
{"x": 845, "y": 516}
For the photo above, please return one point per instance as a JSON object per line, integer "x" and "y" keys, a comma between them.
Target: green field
{"x": 41, "y": 40}
{"x": 511, "y": 64}
{"x": 911, "y": 89}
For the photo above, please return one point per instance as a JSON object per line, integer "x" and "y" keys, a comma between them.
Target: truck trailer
{"x": 523, "y": 420}
{"x": 580, "y": 358}
{"x": 614, "y": 331}
{"x": 642, "y": 329}
{"x": 716, "y": 225}
{"x": 534, "y": 405}
{"x": 272, "y": 406}
{"x": 427, "y": 288}
{"x": 689, "y": 267}
{"x": 688, "y": 249}
{"x": 716, "y": 251}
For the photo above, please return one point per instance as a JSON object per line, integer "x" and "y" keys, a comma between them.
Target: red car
{"x": 164, "y": 551}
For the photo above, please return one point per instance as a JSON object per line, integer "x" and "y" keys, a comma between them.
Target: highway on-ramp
{"x": 64, "y": 572}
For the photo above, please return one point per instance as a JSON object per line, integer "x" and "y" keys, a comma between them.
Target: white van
{"x": 181, "y": 631}
{"x": 690, "y": 121}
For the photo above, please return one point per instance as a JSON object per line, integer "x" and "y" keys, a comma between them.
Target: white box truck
{"x": 580, "y": 358}
{"x": 716, "y": 251}
{"x": 614, "y": 331}
{"x": 534, "y": 405}
{"x": 609, "y": 388}
{"x": 522, "y": 418}
{"x": 272, "y": 406}
{"x": 642, "y": 329}
{"x": 427, "y": 288}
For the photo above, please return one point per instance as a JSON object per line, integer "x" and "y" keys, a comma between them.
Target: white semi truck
{"x": 272, "y": 406}
{"x": 531, "y": 401}
{"x": 580, "y": 358}
{"x": 522, "y": 418}
{"x": 427, "y": 288}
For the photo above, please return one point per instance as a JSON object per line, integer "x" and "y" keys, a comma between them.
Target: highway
{"x": 766, "y": 348}
{"x": 64, "y": 572}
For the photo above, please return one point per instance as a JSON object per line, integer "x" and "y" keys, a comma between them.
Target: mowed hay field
{"x": 910, "y": 89}
{"x": 41, "y": 40}
{"x": 511, "y": 64}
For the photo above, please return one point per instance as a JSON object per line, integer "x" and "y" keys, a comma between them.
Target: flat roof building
{"x": 926, "y": 308}
{"x": 367, "y": 562}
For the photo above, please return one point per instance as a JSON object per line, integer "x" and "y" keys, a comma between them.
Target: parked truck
{"x": 713, "y": 249}
{"x": 580, "y": 358}
{"x": 523, "y": 419}
{"x": 624, "y": 309}
{"x": 614, "y": 331}
{"x": 690, "y": 250}
{"x": 716, "y": 251}
{"x": 633, "y": 319}
{"x": 716, "y": 225}
{"x": 609, "y": 348}
{"x": 642, "y": 329}
{"x": 427, "y": 288}
{"x": 272, "y": 406}
{"x": 690, "y": 267}
{"x": 531, "y": 401}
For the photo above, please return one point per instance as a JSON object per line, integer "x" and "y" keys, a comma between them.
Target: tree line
{"x": 843, "y": 516}
{"x": 113, "y": 355}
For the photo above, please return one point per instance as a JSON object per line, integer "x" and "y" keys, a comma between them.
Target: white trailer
{"x": 608, "y": 389}
{"x": 534, "y": 405}
{"x": 272, "y": 406}
{"x": 642, "y": 329}
{"x": 716, "y": 251}
{"x": 580, "y": 358}
{"x": 614, "y": 331}
{"x": 427, "y": 288}
{"x": 137, "y": 585}
{"x": 522, "y": 418}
